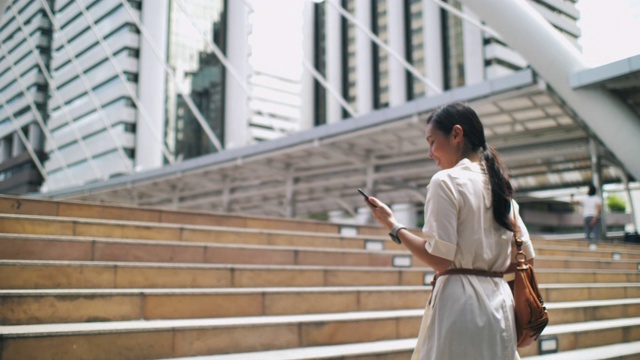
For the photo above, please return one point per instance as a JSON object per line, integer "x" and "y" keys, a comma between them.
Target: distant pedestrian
{"x": 591, "y": 209}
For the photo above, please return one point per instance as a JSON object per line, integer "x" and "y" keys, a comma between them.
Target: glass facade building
{"x": 24, "y": 92}
{"x": 199, "y": 73}
{"x": 115, "y": 87}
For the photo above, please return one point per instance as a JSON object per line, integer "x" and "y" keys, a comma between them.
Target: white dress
{"x": 468, "y": 317}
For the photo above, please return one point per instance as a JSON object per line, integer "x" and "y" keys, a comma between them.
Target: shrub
{"x": 616, "y": 204}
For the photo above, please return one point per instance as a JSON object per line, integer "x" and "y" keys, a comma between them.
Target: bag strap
{"x": 520, "y": 257}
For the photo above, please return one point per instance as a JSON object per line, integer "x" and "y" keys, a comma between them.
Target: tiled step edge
{"x": 406, "y": 346}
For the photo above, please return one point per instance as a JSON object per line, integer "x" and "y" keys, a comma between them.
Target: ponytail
{"x": 501, "y": 189}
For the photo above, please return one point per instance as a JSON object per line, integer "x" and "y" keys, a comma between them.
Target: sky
{"x": 610, "y": 32}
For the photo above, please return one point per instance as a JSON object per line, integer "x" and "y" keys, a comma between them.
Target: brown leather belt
{"x": 466, "y": 272}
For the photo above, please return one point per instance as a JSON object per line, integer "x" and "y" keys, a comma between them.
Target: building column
{"x": 307, "y": 112}
{"x": 473, "y": 50}
{"x": 432, "y": 33}
{"x": 364, "y": 60}
{"x": 35, "y": 137}
{"x": 596, "y": 178}
{"x": 152, "y": 86}
{"x": 397, "y": 72}
{"x": 236, "y": 113}
{"x": 625, "y": 181}
{"x": 17, "y": 147}
{"x": 333, "y": 32}
{"x": 5, "y": 149}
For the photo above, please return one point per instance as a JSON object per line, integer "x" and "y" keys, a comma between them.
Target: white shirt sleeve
{"x": 441, "y": 218}
{"x": 527, "y": 247}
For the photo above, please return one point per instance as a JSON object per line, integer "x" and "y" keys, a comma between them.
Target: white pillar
{"x": 406, "y": 214}
{"x": 397, "y": 72}
{"x": 364, "y": 60}
{"x": 473, "y": 50}
{"x": 236, "y": 117}
{"x": 17, "y": 145}
{"x": 152, "y": 85}
{"x": 333, "y": 43}
{"x": 432, "y": 32}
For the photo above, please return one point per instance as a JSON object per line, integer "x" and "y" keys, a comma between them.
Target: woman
{"x": 468, "y": 225}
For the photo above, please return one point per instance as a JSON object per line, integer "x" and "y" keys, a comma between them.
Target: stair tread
{"x": 188, "y": 226}
{"x": 370, "y": 348}
{"x": 317, "y": 352}
{"x": 141, "y": 325}
{"x": 592, "y": 353}
{"x": 323, "y": 289}
{"x": 152, "y": 325}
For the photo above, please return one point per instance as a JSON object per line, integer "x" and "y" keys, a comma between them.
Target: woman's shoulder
{"x": 467, "y": 171}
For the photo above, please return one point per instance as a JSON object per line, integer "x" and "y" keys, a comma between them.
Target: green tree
{"x": 616, "y": 204}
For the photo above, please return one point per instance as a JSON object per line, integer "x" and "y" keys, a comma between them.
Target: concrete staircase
{"x": 93, "y": 281}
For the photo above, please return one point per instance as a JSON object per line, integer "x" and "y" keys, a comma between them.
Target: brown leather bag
{"x": 531, "y": 315}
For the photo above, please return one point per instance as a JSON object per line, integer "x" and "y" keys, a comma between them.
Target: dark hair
{"x": 592, "y": 190}
{"x": 444, "y": 119}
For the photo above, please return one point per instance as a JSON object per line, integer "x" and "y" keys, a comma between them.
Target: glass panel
{"x": 453, "y": 48}
{"x": 200, "y": 74}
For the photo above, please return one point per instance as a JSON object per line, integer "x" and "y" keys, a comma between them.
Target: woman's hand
{"x": 382, "y": 213}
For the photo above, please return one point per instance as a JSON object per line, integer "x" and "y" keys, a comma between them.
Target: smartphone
{"x": 364, "y": 194}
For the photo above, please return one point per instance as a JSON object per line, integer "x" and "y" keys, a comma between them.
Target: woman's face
{"x": 443, "y": 149}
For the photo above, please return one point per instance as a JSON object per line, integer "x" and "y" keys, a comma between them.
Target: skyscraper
{"x": 25, "y": 30}
{"x": 440, "y": 40}
{"x": 117, "y": 87}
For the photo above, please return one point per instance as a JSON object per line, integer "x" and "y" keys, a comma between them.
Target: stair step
{"x": 401, "y": 348}
{"x": 404, "y": 347}
{"x": 51, "y": 274}
{"x": 121, "y": 229}
{"x": 175, "y": 338}
{"x": 584, "y": 252}
{"x": 42, "y": 247}
{"x": 39, "y": 247}
{"x": 28, "y": 206}
{"x": 165, "y": 338}
{"x": 615, "y": 351}
{"x": 59, "y": 306}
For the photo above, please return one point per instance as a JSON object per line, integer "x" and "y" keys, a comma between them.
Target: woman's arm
{"x": 414, "y": 243}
